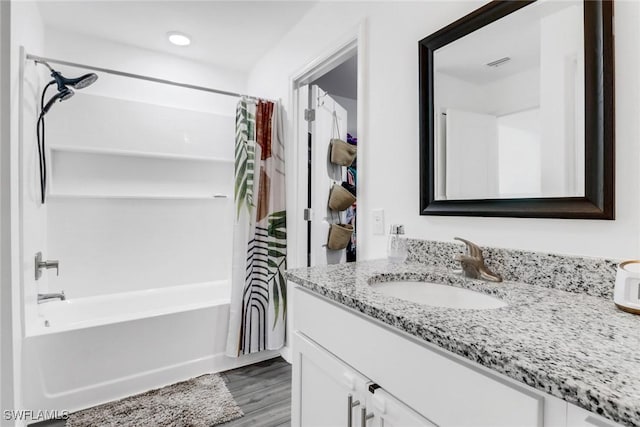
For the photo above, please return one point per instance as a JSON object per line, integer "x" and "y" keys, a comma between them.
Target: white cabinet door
{"x": 386, "y": 411}
{"x": 325, "y": 392}
{"x": 578, "y": 417}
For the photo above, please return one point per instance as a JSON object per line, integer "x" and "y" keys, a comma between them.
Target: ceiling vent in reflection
{"x": 499, "y": 62}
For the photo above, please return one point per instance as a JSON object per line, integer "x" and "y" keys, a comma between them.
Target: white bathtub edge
{"x": 35, "y": 326}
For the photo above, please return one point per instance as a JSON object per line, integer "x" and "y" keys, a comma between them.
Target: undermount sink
{"x": 438, "y": 295}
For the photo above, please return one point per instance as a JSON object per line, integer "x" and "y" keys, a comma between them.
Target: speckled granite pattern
{"x": 592, "y": 276}
{"x": 575, "y": 346}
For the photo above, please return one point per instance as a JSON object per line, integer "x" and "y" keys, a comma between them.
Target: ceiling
{"x": 467, "y": 58}
{"x": 342, "y": 80}
{"x": 517, "y": 36}
{"x": 234, "y": 34}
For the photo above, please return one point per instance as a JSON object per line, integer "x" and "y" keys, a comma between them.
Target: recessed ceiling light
{"x": 178, "y": 38}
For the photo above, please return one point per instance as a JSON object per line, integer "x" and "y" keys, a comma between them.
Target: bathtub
{"x": 82, "y": 352}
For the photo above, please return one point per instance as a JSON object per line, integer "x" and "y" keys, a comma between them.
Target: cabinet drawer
{"x": 437, "y": 384}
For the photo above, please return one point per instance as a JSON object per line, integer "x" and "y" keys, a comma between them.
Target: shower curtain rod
{"x": 141, "y": 77}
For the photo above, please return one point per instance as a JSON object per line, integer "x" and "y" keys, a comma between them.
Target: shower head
{"x": 64, "y": 85}
{"x": 62, "y": 81}
{"x": 63, "y": 95}
{"x": 65, "y": 92}
{"x": 86, "y": 80}
{"x": 77, "y": 83}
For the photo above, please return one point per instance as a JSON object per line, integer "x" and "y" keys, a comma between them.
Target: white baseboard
{"x": 287, "y": 353}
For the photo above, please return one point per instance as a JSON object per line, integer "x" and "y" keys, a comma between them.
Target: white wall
{"x": 6, "y": 338}
{"x": 33, "y": 226}
{"x": 26, "y": 30}
{"x": 98, "y": 52}
{"x": 561, "y": 125}
{"x": 145, "y": 236}
{"x": 89, "y": 121}
{"x": 393, "y": 30}
{"x": 122, "y": 222}
{"x": 120, "y": 245}
{"x": 476, "y": 103}
{"x": 517, "y": 92}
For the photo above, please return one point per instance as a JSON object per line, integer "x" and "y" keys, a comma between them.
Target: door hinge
{"x": 309, "y": 115}
{"x": 307, "y": 214}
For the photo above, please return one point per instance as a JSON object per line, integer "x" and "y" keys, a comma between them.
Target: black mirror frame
{"x": 599, "y": 200}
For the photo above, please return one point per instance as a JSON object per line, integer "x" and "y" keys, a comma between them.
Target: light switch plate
{"x": 378, "y": 221}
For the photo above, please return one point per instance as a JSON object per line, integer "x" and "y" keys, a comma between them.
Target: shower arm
{"x": 40, "y": 61}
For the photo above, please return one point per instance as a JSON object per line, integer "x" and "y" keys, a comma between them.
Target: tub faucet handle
{"x": 46, "y": 264}
{"x": 52, "y": 264}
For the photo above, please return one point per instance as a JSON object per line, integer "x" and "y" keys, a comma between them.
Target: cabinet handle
{"x": 350, "y": 405}
{"x": 364, "y": 416}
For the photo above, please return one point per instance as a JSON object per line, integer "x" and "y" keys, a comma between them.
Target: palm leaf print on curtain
{"x": 259, "y": 289}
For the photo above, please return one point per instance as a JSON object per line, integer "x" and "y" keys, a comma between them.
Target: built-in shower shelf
{"x": 137, "y": 196}
{"x": 131, "y": 153}
{"x": 96, "y": 173}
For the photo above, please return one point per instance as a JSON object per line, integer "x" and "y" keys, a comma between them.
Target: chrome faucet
{"x": 473, "y": 263}
{"x": 50, "y": 297}
{"x": 40, "y": 264}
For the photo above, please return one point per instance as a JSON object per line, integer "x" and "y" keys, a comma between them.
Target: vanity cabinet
{"x": 401, "y": 380}
{"x": 387, "y": 411}
{"x": 330, "y": 393}
{"x": 578, "y": 417}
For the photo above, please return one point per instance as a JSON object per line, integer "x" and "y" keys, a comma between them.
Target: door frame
{"x": 352, "y": 43}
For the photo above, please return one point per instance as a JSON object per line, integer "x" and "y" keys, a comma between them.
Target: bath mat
{"x": 204, "y": 401}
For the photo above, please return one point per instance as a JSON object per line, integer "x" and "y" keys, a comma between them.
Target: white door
{"x": 323, "y": 174}
{"x": 384, "y": 410}
{"x": 326, "y": 392}
{"x": 471, "y": 153}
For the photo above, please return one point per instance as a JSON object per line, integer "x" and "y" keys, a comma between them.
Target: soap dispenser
{"x": 397, "y": 245}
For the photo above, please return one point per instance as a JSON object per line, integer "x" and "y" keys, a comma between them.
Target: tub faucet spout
{"x": 50, "y": 297}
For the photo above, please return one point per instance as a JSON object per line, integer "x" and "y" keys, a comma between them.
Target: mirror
{"x": 516, "y": 112}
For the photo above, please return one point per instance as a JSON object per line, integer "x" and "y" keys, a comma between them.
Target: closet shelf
{"x": 129, "y": 153}
{"x": 138, "y": 196}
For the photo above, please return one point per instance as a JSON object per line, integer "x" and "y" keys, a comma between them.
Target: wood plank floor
{"x": 262, "y": 390}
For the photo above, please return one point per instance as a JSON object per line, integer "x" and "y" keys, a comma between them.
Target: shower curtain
{"x": 259, "y": 289}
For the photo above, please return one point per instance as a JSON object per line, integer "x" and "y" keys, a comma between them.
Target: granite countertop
{"x": 577, "y": 347}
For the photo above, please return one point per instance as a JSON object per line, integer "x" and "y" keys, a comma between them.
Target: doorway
{"x": 328, "y": 111}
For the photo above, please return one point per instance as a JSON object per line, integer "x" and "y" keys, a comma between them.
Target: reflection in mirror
{"x": 509, "y": 107}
